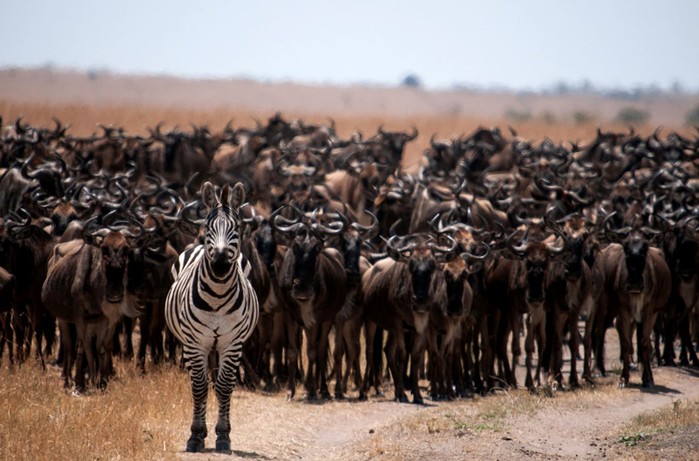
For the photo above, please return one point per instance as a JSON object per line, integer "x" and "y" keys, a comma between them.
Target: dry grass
{"x": 671, "y": 433}
{"x": 137, "y": 418}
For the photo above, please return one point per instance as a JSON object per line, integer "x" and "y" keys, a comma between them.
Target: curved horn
{"x": 370, "y": 231}
{"x": 470, "y": 256}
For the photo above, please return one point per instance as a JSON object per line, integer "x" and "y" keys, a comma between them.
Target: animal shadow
{"x": 235, "y": 453}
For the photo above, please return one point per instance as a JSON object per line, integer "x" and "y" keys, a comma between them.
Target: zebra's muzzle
{"x": 220, "y": 264}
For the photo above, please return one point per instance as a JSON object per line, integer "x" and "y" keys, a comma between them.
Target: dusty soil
{"x": 509, "y": 425}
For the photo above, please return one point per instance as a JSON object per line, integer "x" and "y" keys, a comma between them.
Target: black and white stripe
{"x": 210, "y": 311}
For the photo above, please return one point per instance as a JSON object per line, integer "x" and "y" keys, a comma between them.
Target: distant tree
{"x": 580, "y": 117}
{"x": 411, "y": 81}
{"x": 632, "y": 115}
{"x": 548, "y": 117}
{"x": 693, "y": 116}
{"x": 515, "y": 115}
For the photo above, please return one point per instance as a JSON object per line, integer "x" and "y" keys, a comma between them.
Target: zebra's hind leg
{"x": 197, "y": 368}
{"x": 225, "y": 380}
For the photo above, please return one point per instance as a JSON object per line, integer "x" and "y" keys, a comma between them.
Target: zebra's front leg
{"x": 197, "y": 367}
{"x": 223, "y": 385}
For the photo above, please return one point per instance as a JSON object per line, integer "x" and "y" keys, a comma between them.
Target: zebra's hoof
{"x": 195, "y": 445}
{"x": 223, "y": 444}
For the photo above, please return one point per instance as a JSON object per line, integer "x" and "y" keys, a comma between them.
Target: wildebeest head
{"x": 536, "y": 255}
{"x": 686, "y": 247}
{"x": 307, "y": 235}
{"x": 222, "y": 227}
{"x": 418, "y": 252}
{"x": 635, "y": 243}
{"x": 350, "y": 245}
{"x": 114, "y": 250}
{"x": 635, "y": 252}
{"x": 305, "y": 248}
{"x": 396, "y": 141}
{"x": 576, "y": 229}
{"x": 266, "y": 244}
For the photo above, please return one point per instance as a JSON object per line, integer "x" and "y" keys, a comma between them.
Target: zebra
{"x": 211, "y": 308}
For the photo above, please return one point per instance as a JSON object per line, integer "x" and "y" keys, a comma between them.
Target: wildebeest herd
{"x": 440, "y": 271}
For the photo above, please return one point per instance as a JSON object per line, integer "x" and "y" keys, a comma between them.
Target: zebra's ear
{"x": 208, "y": 195}
{"x": 233, "y": 196}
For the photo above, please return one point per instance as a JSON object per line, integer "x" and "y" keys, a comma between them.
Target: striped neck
{"x": 207, "y": 279}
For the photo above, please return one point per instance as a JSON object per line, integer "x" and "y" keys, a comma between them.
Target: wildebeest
{"x": 86, "y": 286}
{"x": 632, "y": 279}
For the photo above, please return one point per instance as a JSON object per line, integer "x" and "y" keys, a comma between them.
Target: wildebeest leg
{"x": 322, "y": 361}
{"x": 67, "y": 332}
{"x": 587, "y": 345}
{"x": 312, "y": 339}
{"x": 669, "y": 320}
{"x": 644, "y": 346}
{"x": 516, "y": 328}
{"x": 155, "y": 330}
{"x": 573, "y": 344}
{"x": 197, "y": 365}
{"x": 686, "y": 342}
{"x": 225, "y": 380}
{"x": 501, "y": 338}
{"x": 624, "y": 328}
{"x": 481, "y": 370}
{"x": 263, "y": 367}
{"x": 529, "y": 349}
{"x": 292, "y": 355}
{"x": 338, "y": 353}
{"x": 351, "y": 332}
{"x": 19, "y": 326}
{"x": 81, "y": 344}
{"x": 416, "y": 356}
{"x": 540, "y": 336}
{"x": 49, "y": 332}
{"x": 395, "y": 355}
{"x": 277, "y": 341}
{"x": 369, "y": 333}
{"x": 8, "y": 336}
{"x": 144, "y": 322}
{"x": 556, "y": 343}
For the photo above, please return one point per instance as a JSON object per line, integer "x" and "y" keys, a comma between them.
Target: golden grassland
{"x": 139, "y": 417}
{"x": 671, "y": 433}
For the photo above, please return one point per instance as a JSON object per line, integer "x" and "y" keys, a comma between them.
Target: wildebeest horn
{"x": 335, "y": 227}
{"x": 520, "y": 249}
{"x": 396, "y": 252}
{"x": 370, "y": 231}
{"x": 284, "y": 225}
{"x": 471, "y": 256}
{"x": 184, "y": 214}
{"x": 414, "y": 134}
{"x": 445, "y": 250}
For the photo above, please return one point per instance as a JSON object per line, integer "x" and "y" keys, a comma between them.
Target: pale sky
{"x": 516, "y": 44}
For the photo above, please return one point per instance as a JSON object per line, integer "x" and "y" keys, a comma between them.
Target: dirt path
{"x": 589, "y": 429}
{"x": 571, "y": 425}
{"x": 512, "y": 425}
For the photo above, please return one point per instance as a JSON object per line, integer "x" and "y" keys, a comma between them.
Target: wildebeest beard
{"x": 421, "y": 272}
{"x": 635, "y": 256}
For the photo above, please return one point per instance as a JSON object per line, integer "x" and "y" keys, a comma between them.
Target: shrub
{"x": 580, "y": 117}
{"x": 632, "y": 115}
{"x": 515, "y": 115}
{"x": 693, "y": 116}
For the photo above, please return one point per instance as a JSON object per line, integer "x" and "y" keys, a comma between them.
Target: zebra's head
{"x": 222, "y": 227}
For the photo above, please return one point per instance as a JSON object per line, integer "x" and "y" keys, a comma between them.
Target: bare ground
{"x": 509, "y": 425}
